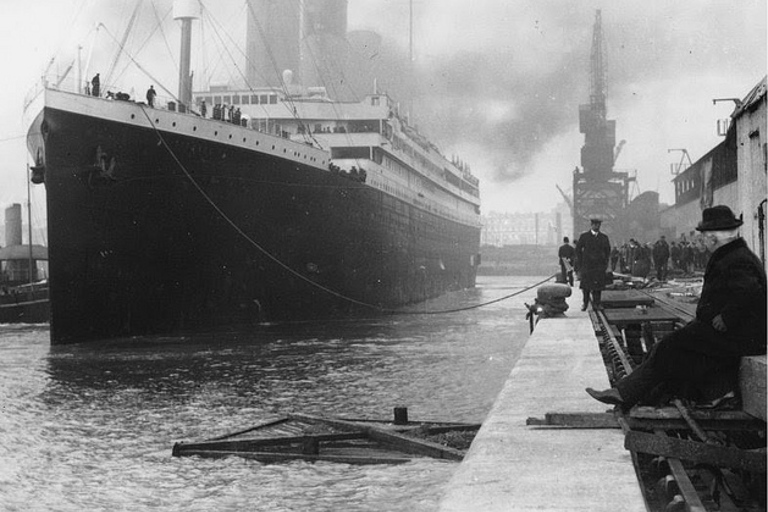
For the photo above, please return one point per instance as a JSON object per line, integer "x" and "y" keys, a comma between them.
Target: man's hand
{"x": 719, "y": 324}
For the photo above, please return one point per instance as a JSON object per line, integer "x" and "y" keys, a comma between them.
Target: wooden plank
{"x": 416, "y": 446}
{"x": 649, "y": 412}
{"x": 719, "y": 456}
{"x": 624, "y": 299}
{"x": 637, "y": 316}
{"x": 690, "y": 495}
{"x": 575, "y": 420}
{"x": 281, "y": 457}
{"x": 244, "y": 445}
{"x": 250, "y": 429}
{"x": 340, "y": 424}
{"x": 687, "y": 490}
{"x": 650, "y": 418}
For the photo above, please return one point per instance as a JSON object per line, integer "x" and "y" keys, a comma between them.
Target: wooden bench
{"x": 752, "y": 377}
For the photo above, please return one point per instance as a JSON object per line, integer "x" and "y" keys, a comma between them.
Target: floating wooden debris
{"x": 313, "y": 438}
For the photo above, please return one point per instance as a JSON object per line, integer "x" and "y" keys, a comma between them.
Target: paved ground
{"x": 514, "y": 467}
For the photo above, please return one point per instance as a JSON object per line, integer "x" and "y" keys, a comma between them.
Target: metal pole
{"x": 79, "y": 69}
{"x": 29, "y": 226}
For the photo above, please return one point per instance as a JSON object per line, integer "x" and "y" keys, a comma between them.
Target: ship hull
{"x": 154, "y": 231}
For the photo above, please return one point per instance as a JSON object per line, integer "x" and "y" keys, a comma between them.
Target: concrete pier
{"x": 515, "y": 467}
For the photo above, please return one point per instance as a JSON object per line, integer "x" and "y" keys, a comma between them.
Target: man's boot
{"x": 586, "y": 300}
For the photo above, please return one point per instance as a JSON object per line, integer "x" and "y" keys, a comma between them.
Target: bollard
{"x": 401, "y": 415}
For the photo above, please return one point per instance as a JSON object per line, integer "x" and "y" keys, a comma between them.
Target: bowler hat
{"x": 718, "y": 218}
{"x": 595, "y": 219}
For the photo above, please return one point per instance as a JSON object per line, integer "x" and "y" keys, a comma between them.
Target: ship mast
{"x": 186, "y": 11}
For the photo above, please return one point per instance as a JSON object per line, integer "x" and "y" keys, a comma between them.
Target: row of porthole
{"x": 216, "y": 134}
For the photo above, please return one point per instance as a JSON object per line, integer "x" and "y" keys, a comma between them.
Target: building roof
{"x": 21, "y": 252}
{"x": 755, "y": 95}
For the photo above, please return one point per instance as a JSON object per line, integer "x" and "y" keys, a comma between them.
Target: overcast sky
{"x": 501, "y": 79}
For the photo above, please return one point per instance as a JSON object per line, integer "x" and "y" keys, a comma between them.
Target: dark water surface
{"x": 91, "y": 426}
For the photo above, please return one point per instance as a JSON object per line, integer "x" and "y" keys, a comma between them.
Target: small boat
{"x": 358, "y": 441}
{"x": 24, "y": 303}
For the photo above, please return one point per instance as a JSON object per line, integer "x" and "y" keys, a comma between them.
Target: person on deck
{"x": 96, "y": 85}
{"x": 593, "y": 250}
{"x": 151, "y": 93}
{"x": 730, "y": 323}
{"x": 565, "y": 255}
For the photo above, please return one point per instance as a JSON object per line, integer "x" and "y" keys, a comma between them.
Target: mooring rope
{"x": 299, "y": 275}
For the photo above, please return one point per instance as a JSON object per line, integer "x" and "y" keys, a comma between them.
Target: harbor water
{"x": 90, "y": 427}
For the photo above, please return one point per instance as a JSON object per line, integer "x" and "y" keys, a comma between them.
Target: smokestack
{"x": 13, "y": 225}
{"x": 324, "y": 49}
{"x": 272, "y": 41}
{"x": 186, "y": 11}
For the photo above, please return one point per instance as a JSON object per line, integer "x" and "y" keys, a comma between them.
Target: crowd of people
{"x": 640, "y": 258}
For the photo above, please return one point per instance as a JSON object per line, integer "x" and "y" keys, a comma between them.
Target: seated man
{"x": 730, "y": 323}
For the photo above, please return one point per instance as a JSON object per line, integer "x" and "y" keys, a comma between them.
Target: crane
{"x": 565, "y": 196}
{"x": 618, "y": 150}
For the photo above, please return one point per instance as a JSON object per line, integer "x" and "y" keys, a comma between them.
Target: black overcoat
{"x": 592, "y": 253}
{"x": 735, "y": 288}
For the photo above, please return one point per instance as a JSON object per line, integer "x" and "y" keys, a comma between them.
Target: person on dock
{"x": 593, "y": 250}
{"x": 730, "y": 323}
{"x": 565, "y": 255}
{"x": 661, "y": 257}
{"x": 674, "y": 254}
{"x": 615, "y": 255}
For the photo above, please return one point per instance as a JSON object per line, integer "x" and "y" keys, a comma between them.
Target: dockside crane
{"x": 598, "y": 191}
{"x": 567, "y": 199}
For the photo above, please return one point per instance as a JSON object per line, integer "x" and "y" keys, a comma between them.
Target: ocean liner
{"x": 238, "y": 205}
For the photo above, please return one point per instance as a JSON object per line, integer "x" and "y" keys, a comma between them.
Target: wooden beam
{"x": 244, "y": 445}
{"x": 280, "y": 457}
{"x": 575, "y": 420}
{"x": 719, "y": 456}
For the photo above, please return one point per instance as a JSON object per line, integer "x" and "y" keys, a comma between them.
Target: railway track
{"x": 686, "y": 458}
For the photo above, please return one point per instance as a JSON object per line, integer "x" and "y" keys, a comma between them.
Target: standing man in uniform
{"x": 730, "y": 323}
{"x": 593, "y": 251}
{"x": 565, "y": 254}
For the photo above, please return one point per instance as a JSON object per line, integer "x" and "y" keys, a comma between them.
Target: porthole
{"x": 174, "y": 124}
{"x": 230, "y": 135}
{"x": 133, "y": 116}
{"x": 216, "y": 133}
{"x": 194, "y": 128}
{"x": 157, "y": 121}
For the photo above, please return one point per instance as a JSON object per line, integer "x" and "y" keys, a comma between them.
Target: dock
{"x": 514, "y": 466}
